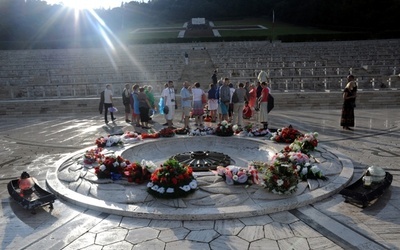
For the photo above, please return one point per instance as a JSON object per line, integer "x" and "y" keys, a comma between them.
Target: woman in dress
{"x": 349, "y": 100}
{"x": 252, "y": 96}
{"x": 198, "y": 106}
{"x": 144, "y": 107}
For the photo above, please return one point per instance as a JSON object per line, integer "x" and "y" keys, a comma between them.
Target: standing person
{"x": 186, "y": 58}
{"x": 214, "y": 78}
{"x": 144, "y": 107}
{"x": 224, "y": 99}
{"x": 126, "y": 100}
{"x": 262, "y": 76}
{"x": 186, "y": 98}
{"x": 239, "y": 105}
{"x": 252, "y": 96}
{"x": 263, "y": 118}
{"x": 161, "y": 105}
{"x": 108, "y": 102}
{"x": 169, "y": 101}
{"x": 198, "y": 106}
{"x": 135, "y": 105}
{"x": 212, "y": 102}
{"x": 148, "y": 90}
{"x": 349, "y": 103}
{"x": 230, "y": 110}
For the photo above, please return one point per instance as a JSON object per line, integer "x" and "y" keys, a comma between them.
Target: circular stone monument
{"x": 75, "y": 182}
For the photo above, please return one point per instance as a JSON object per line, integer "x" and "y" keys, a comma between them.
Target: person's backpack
{"x": 235, "y": 97}
{"x": 225, "y": 94}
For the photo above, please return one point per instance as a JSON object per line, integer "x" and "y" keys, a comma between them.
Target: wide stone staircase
{"x": 301, "y": 75}
{"x": 199, "y": 69}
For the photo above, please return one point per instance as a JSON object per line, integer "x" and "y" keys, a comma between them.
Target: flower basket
{"x": 172, "y": 180}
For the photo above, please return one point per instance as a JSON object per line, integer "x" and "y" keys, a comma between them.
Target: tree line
{"x": 35, "y": 20}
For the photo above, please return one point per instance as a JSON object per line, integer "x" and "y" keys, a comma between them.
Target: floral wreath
{"x": 172, "y": 180}
{"x": 235, "y": 175}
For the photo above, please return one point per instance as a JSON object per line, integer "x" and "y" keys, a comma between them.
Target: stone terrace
{"x": 70, "y": 80}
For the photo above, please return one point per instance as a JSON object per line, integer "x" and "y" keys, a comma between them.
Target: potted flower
{"x": 172, "y": 180}
{"x": 224, "y": 129}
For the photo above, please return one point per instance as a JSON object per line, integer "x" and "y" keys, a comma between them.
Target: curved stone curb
{"x": 201, "y": 213}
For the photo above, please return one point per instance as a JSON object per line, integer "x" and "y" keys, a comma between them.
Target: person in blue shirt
{"x": 186, "y": 99}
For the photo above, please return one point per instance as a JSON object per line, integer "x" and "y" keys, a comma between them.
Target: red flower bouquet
{"x": 287, "y": 135}
{"x": 151, "y": 136}
{"x": 112, "y": 167}
{"x": 172, "y": 180}
{"x": 137, "y": 173}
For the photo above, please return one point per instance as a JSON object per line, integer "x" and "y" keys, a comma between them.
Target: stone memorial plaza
{"x": 49, "y": 113}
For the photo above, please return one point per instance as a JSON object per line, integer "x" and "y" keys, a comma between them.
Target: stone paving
{"x": 36, "y": 143}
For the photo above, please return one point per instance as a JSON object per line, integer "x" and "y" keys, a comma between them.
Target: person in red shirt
{"x": 263, "y": 100}
{"x": 247, "y": 111}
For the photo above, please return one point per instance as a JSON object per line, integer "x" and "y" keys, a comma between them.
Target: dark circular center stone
{"x": 203, "y": 160}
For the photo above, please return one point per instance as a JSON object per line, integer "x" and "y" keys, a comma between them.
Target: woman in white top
{"x": 198, "y": 106}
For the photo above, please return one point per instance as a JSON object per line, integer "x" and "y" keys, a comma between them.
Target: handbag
{"x": 235, "y": 97}
{"x": 112, "y": 109}
{"x": 166, "y": 110}
{"x": 270, "y": 103}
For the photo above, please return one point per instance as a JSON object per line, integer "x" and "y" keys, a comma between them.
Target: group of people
{"x": 224, "y": 101}
{"x": 138, "y": 104}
